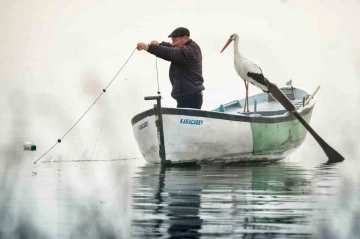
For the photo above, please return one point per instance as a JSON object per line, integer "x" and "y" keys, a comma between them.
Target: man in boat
{"x": 185, "y": 69}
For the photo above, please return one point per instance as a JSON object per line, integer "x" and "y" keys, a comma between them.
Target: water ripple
{"x": 264, "y": 201}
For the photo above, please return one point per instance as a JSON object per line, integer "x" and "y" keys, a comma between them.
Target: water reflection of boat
{"x": 225, "y": 200}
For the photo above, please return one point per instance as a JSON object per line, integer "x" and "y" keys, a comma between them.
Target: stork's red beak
{"x": 227, "y": 43}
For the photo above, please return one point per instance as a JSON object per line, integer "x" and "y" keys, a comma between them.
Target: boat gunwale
{"x": 224, "y": 116}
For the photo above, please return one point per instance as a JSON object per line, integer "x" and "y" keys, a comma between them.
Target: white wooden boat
{"x": 226, "y": 134}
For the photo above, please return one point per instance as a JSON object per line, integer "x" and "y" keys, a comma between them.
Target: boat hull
{"x": 192, "y": 135}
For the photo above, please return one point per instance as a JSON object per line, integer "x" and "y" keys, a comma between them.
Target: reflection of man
{"x": 172, "y": 206}
{"x": 186, "y": 66}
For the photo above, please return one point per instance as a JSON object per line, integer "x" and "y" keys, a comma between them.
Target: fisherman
{"x": 185, "y": 71}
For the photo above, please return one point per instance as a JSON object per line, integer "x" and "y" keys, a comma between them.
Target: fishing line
{"x": 89, "y": 160}
{"x": 157, "y": 75}
{"x": 103, "y": 91}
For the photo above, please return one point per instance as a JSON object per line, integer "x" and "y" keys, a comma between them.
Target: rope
{"x": 157, "y": 75}
{"x": 103, "y": 91}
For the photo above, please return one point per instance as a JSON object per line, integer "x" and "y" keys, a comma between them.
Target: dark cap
{"x": 179, "y": 32}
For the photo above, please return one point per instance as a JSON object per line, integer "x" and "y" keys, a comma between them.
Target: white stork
{"x": 246, "y": 69}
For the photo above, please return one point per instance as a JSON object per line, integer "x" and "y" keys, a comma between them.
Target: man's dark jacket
{"x": 185, "y": 69}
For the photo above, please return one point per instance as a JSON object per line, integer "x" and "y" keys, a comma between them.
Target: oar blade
{"x": 333, "y": 155}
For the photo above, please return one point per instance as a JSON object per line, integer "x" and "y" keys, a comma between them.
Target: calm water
{"x": 132, "y": 199}
{"x": 280, "y": 200}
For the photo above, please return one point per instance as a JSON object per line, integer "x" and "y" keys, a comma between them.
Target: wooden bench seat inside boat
{"x": 289, "y": 92}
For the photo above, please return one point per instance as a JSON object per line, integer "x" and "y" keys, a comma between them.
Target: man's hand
{"x": 154, "y": 42}
{"x": 142, "y": 46}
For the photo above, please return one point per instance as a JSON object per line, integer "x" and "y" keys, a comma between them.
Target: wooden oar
{"x": 332, "y": 154}
{"x": 311, "y": 96}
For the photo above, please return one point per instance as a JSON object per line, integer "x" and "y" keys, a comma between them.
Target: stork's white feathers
{"x": 247, "y": 69}
{"x": 247, "y": 66}
{"x": 252, "y": 73}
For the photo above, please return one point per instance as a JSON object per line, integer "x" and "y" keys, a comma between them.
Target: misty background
{"x": 57, "y": 56}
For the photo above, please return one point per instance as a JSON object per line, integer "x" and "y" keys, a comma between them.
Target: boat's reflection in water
{"x": 264, "y": 201}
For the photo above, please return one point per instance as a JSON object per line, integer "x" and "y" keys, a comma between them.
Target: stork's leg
{"x": 245, "y": 96}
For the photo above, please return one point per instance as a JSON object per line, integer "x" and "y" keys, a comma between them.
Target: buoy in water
{"x": 29, "y": 146}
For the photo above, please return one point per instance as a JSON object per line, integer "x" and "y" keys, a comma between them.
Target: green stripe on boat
{"x": 278, "y": 137}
